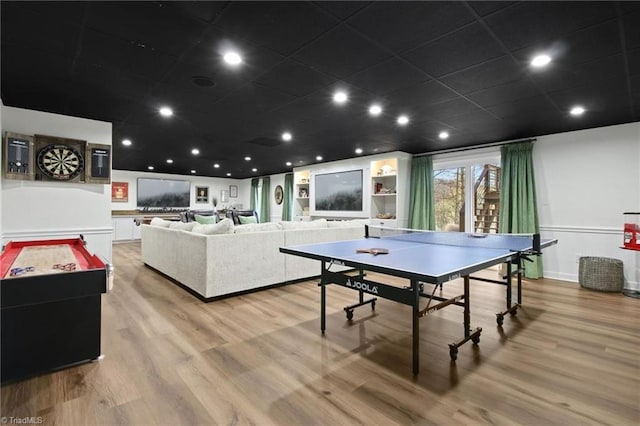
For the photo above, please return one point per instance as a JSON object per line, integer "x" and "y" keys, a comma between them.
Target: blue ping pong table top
{"x": 429, "y": 257}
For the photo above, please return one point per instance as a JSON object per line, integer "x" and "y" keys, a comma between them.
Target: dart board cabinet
{"x": 59, "y": 159}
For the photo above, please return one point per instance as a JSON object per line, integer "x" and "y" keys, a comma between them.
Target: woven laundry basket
{"x": 601, "y": 273}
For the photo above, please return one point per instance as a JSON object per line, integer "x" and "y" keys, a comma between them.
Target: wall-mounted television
{"x": 338, "y": 192}
{"x": 163, "y": 193}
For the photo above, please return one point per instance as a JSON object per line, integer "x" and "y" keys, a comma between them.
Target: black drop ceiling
{"x": 462, "y": 67}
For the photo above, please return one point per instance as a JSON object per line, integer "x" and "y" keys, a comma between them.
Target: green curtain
{"x": 253, "y": 197}
{"x": 518, "y": 205}
{"x": 264, "y": 215}
{"x": 421, "y": 200}
{"x": 287, "y": 202}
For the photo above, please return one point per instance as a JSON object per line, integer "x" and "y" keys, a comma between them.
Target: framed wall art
{"x": 120, "y": 192}
{"x": 233, "y": 191}
{"x": 202, "y": 194}
{"x": 17, "y": 155}
{"x": 98, "y": 163}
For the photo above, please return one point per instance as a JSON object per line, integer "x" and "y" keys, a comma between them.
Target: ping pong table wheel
{"x": 350, "y": 314}
{"x": 373, "y": 305}
{"x": 514, "y": 311}
{"x": 453, "y": 353}
{"x": 475, "y": 340}
{"x": 499, "y": 319}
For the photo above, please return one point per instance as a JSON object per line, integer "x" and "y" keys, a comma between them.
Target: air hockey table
{"x": 50, "y": 306}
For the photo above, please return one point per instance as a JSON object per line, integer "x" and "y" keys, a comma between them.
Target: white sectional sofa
{"x": 222, "y": 259}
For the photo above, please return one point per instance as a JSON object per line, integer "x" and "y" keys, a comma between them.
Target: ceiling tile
{"x": 599, "y": 72}
{"x": 165, "y": 29}
{"x": 400, "y": 26}
{"x": 424, "y": 94}
{"x": 283, "y": 27}
{"x": 469, "y": 46}
{"x": 341, "y": 53}
{"x": 295, "y": 78}
{"x": 541, "y": 23}
{"x": 495, "y": 72}
{"x": 509, "y": 92}
{"x": 484, "y": 8}
{"x": 388, "y": 76}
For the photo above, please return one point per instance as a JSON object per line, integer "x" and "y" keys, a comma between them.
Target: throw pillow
{"x": 225, "y": 226}
{"x": 257, "y": 227}
{"x": 158, "y": 221}
{"x": 314, "y": 224}
{"x": 247, "y": 219}
{"x": 205, "y": 220}
{"x": 185, "y": 226}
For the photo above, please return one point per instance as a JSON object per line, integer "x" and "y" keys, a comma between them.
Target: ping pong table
{"x": 421, "y": 257}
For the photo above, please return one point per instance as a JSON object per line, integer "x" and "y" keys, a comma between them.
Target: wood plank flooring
{"x": 571, "y": 356}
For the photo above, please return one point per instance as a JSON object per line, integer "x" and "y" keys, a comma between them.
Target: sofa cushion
{"x": 205, "y": 220}
{"x": 225, "y": 226}
{"x": 257, "y": 227}
{"x": 158, "y": 221}
{"x": 347, "y": 223}
{"x": 244, "y": 220}
{"x": 184, "y": 226}
{"x": 313, "y": 224}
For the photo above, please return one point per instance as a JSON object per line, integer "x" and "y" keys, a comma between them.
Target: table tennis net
{"x": 512, "y": 242}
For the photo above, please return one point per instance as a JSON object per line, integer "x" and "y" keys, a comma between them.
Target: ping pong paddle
{"x": 373, "y": 251}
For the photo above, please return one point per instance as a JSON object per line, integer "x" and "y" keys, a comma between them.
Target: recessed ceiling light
{"x": 358, "y": 150}
{"x": 403, "y": 120}
{"x": 288, "y": 163}
{"x": 286, "y": 136}
{"x": 150, "y": 168}
{"x": 126, "y": 142}
{"x": 193, "y": 171}
{"x": 340, "y": 97}
{"x": 247, "y": 158}
{"x": 166, "y": 111}
{"x": 254, "y": 170}
{"x": 216, "y": 166}
{"x": 443, "y": 135}
{"x": 228, "y": 174}
{"x": 195, "y": 151}
{"x": 577, "y": 110}
{"x": 232, "y": 58}
{"x": 540, "y": 61}
{"x": 319, "y": 158}
{"x": 375, "y": 110}
{"x": 170, "y": 161}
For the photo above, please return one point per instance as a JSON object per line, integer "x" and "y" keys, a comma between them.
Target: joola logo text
{"x": 362, "y": 286}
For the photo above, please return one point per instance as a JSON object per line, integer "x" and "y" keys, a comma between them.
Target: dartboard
{"x": 61, "y": 162}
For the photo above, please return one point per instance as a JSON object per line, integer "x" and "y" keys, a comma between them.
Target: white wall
{"x": 585, "y": 181}
{"x": 42, "y": 210}
{"x": 215, "y": 185}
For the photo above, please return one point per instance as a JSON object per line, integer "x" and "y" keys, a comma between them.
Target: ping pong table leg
{"x": 323, "y": 300}
{"x": 473, "y": 335}
{"x": 519, "y": 280}
{"x": 416, "y": 326}
{"x": 512, "y": 309}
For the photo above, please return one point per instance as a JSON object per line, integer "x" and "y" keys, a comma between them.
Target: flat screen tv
{"x": 163, "y": 193}
{"x": 340, "y": 191}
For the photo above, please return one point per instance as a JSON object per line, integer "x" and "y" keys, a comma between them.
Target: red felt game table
{"x": 50, "y": 306}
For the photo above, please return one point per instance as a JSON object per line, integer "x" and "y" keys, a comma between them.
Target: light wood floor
{"x": 571, "y": 356}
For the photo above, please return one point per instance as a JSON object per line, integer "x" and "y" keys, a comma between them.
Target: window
{"x": 467, "y": 191}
